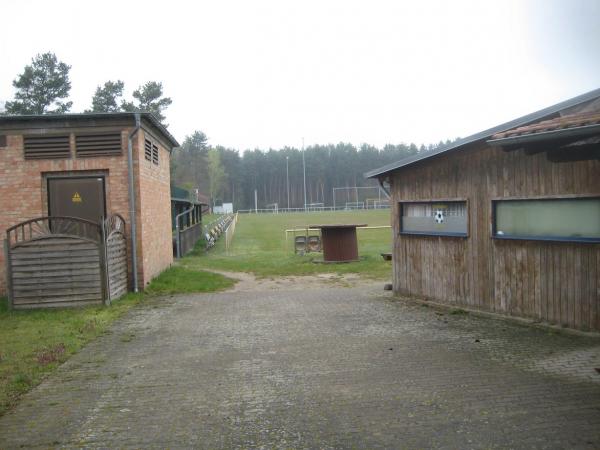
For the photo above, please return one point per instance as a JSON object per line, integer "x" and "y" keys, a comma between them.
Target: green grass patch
{"x": 33, "y": 343}
{"x": 260, "y": 246}
{"x": 178, "y": 280}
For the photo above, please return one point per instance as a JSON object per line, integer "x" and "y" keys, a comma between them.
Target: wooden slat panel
{"x": 56, "y": 261}
{"x": 91, "y": 278}
{"x": 70, "y": 303}
{"x": 35, "y": 268}
{"x": 32, "y": 255}
{"x": 51, "y": 293}
{"x": 55, "y": 244}
{"x": 58, "y": 301}
{"x": 49, "y": 285}
{"x": 67, "y": 297}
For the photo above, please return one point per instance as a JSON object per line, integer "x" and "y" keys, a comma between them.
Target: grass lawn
{"x": 34, "y": 342}
{"x": 260, "y": 247}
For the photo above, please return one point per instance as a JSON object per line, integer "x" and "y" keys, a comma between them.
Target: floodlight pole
{"x": 287, "y": 177}
{"x": 334, "y": 199}
{"x": 304, "y": 171}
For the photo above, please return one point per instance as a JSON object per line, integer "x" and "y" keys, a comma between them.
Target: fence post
{"x": 177, "y": 238}
{"x": 104, "y": 273}
{"x": 8, "y": 274}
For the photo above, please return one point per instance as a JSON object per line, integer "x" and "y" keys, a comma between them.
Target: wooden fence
{"x": 65, "y": 261}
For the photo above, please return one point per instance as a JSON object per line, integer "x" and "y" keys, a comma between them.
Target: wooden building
{"x": 74, "y": 190}
{"x": 506, "y": 220}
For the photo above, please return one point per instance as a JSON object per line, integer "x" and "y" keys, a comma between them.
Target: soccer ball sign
{"x": 439, "y": 216}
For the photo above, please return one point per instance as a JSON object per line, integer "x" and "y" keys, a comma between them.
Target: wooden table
{"x": 339, "y": 242}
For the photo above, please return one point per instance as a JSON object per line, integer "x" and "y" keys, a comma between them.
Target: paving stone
{"x": 326, "y": 368}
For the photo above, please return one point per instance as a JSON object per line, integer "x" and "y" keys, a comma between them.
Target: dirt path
{"x": 248, "y": 282}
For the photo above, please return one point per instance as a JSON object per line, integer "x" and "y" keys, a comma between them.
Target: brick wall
{"x": 154, "y": 211}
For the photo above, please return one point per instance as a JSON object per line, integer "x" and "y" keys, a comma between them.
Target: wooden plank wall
{"x": 56, "y": 271}
{"x": 116, "y": 258}
{"x": 556, "y": 282}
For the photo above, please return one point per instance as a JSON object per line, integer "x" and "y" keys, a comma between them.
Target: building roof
{"x": 486, "y": 134}
{"x": 7, "y": 121}
{"x": 574, "y": 125}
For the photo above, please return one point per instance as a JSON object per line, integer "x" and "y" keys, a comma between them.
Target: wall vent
{"x": 148, "y": 150}
{"x": 46, "y": 147}
{"x": 155, "y": 154}
{"x": 100, "y": 144}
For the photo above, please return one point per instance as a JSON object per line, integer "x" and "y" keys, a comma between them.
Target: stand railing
{"x": 229, "y": 232}
{"x": 188, "y": 229}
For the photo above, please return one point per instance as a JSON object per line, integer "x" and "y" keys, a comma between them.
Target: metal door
{"x": 77, "y": 197}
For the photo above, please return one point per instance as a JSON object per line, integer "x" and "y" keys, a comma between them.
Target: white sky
{"x": 267, "y": 73}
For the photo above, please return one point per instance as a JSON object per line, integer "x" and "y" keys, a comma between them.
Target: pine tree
{"x": 106, "y": 98}
{"x": 42, "y": 87}
{"x": 149, "y": 99}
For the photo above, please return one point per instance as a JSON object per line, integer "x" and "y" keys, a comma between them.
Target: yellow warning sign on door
{"x": 76, "y": 198}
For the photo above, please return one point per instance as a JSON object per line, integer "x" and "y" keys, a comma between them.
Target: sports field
{"x": 260, "y": 245}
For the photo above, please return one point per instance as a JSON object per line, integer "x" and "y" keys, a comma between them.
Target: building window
{"x": 443, "y": 218}
{"x": 151, "y": 151}
{"x": 564, "y": 219}
{"x": 2, "y": 140}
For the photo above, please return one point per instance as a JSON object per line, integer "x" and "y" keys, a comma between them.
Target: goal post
{"x": 273, "y": 207}
{"x": 343, "y": 197}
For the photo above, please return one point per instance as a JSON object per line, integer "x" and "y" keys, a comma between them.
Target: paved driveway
{"x": 325, "y": 368}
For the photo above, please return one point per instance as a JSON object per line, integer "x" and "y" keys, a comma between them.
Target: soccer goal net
{"x": 369, "y": 197}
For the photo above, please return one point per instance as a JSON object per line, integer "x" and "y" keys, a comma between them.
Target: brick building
{"x": 79, "y": 165}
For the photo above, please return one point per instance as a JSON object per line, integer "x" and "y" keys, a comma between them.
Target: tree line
{"x": 226, "y": 175}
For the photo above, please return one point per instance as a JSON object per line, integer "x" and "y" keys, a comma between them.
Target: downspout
{"x": 132, "y": 214}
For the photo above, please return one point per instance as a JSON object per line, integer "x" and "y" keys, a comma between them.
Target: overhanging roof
{"x": 572, "y": 126}
{"x": 20, "y": 120}
{"x": 486, "y": 134}
{"x": 186, "y": 200}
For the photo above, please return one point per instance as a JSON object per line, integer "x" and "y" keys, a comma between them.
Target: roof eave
{"x": 94, "y": 116}
{"x": 547, "y": 135}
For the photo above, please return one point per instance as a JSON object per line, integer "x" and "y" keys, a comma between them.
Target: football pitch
{"x": 260, "y": 245}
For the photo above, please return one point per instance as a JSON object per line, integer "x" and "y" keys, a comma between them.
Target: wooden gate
{"x": 65, "y": 261}
{"x": 54, "y": 261}
{"x": 116, "y": 256}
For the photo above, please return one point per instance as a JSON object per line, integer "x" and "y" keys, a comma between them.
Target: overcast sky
{"x": 267, "y": 73}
